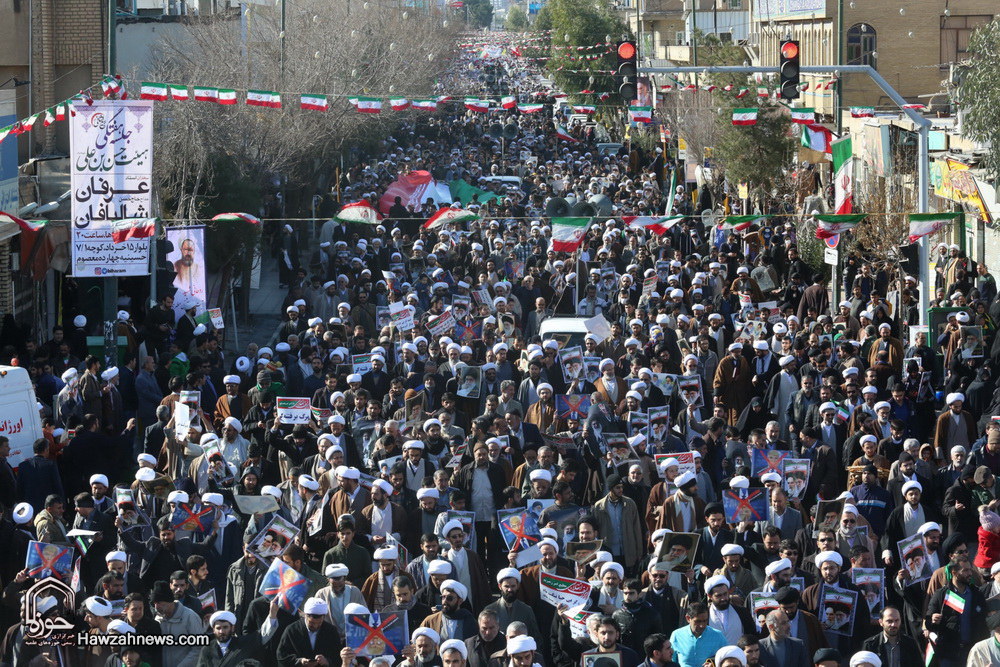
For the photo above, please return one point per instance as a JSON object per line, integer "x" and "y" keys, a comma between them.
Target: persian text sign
{"x": 111, "y": 175}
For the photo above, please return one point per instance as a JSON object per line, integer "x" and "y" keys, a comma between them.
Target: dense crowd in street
{"x": 666, "y": 447}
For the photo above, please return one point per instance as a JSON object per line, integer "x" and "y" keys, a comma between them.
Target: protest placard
{"x": 557, "y": 590}
{"x": 294, "y": 410}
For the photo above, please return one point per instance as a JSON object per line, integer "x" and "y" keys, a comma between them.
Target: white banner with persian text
{"x": 111, "y": 176}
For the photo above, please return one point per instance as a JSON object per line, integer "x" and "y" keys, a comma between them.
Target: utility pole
{"x": 110, "y": 291}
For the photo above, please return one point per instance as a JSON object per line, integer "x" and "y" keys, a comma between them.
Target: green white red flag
{"x": 843, "y": 175}
{"x": 179, "y": 93}
{"x": 227, "y": 96}
{"x": 828, "y": 226}
{"x": 741, "y": 222}
{"x": 584, "y": 108}
{"x": 862, "y": 112}
{"x": 132, "y": 228}
{"x": 564, "y": 135}
{"x": 530, "y": 108}
{"x": 568, "y": 233}
{"x": 236, "y": 217}
{"x": 479, "y": 106}
{"x": 314, "y": 102}
{"x": 264, "y": 98}
{"x": 640, "y": 114}
{"x": 922, "y": 224}
{"x": 399, "y": 103}
{"x": 508, "y": 102}
{"x": 25, "y": 225}
{"x": 154, "y": 91}
{"x": 659, "y": 225}
{"x": 449, "y": 215}
{"x": 367, "y": 104}
{"x": 803, "y": 115}
{"x": 361, "y": 212}
{"x": 425, "y": 105}
{"x": 745, "y": 116}
{"x": 205, "y": 94}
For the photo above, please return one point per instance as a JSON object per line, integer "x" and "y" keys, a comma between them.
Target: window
{"x": 680, "y": 38}
{"x": 861, "y": 45}
{"x": 735, "y": 4}
{"x": 955, "y": 33}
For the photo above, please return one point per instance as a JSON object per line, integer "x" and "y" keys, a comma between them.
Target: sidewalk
{"x": 265, "y": 310}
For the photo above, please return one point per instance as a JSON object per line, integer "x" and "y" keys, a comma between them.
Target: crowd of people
{"x": 738, "y": 470}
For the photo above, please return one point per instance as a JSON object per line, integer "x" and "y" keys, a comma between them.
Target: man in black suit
{"x": 38, "y": 477}
{"x": 524, "y": 433}
{"x": 779, "y": 649}
{"x": 152, "y": 439}
{"x": 310, "y": 637}
{"x": 466, "y": 480}
{"x": 892, "y": 638}
{"x": 908, "y": 473}
{"x": 160, "y": 556}
{"x": 227, "y": 649}
{"x": 825, "y": 466}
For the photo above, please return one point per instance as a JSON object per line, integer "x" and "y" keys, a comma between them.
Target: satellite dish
{"x": 709, "y": 218}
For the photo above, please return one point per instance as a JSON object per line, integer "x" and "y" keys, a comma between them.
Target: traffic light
{"x": 627, "y": 71}
{"x": 788, "y": 66}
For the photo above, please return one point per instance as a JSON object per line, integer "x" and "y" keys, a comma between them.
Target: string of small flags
{"x": 738, "y": 92}
{"x": 110, "y": 86}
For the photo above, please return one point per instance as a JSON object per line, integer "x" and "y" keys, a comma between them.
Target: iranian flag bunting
{"x": 236, "y": 217}
{"x": 425, "y": 105}
{"x": 530, "y": 108}
{"x": 444, "y": 98}
{"x": 564, "y": 135}
{"x": 4, "y": 131}
{"x": 922, "y": 224}
{"x": 367, "y": 104}
{"x": 745, "y": 116}
{"x": 584, "y": 108}
{"x": 742, "y": 93}
{"x": 508, "y": 102}
{"x": 603, "y": 96}
{"x": 479, "y": 106}
{"x": 657, "y": 225}
{"x": 227, "y": 96}
{"x": 204, "y": 94}
{"x": 741, "y": 222}
{"x": 25, "y": 225}
{"x": 60, "y": 112}
{"x": 399, "y": 103}
{"x": 263, "y": 98}
{"x": 843, "y": 175}
{"x": 449, "y": 215}
{"x": 153, "y": 91}
{"x": 862, "y": 112}
{"x": 829, "y": 226}
{"x": 803, "y": 116}
{"x": 49, "y": 118}
{"x": 314, "y": 102}
{"x": 816, "y": 137}
{"x": 30, "y": 122}
{"x": 568, "y": 233}
{"x": 132, "y": 228}
{"x": 179, "y": 93}
{"x": 361, "y": 212}
{"x": 830, "y": 84}
{"x": 762, "y": 91}
{"x": 641, "y": 114}
{"x": 914, "y": 107}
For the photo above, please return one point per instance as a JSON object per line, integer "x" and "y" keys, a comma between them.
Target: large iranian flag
{"x": 656, "y": 224}
{"x": 843, "y": 175}
{"x": 236, "y": 217}
{"x": 922, "y": 224}
{"x": 745, "y": 116}
{"x": 449, "y": 215}
{"x": 568, "y": 233}
{"x": 361, "y": 212}
{"x": 741, "y": 222}
{"x": 641, "y": 114}
{"x": 829, "y": 226}
{"x": 415, "y": 188}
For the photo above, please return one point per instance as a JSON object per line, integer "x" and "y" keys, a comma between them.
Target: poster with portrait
{"x": 828, "y": 515}
{"x": 188, "y": 261}
{"x": 638, "y": 422}
{"x": 915, "y": 330}
{"x": 795, "y": 477}
{"x": 574, "y": 406}
{"x": 571, "y": 360}
{"x": 581, "y": 552}
{"x": 767, "y": 460}
{"x": 382, "y": 318}
{"x": 44, "y": 560}
{"x": 659, "y": 424}
{"x": 667, "y": 383}
{"x": 373, "y": 635}
{"x": 690, "y": 391}
{"x": 609, "y": 659}
{"x": 676, "y": 551}
{"x": 285, "y": 586}
{"x": 761, "y": 604}
{"x": 460, "y": 306}
{"x": 913, "y": 558}
{"x": 745, "y": 505}
{"x": 871, "y": 582}
{"x": 685, "y": 462}
{"x": 592, "y": 369}
{"x": 972, "y": 342}
{"x": 470, "y": 379}
{"x": 622, "y": 453}
{"x": 273, "y": 539}
{"x": 836, "y": 610}
{"x": 520, "y": 532}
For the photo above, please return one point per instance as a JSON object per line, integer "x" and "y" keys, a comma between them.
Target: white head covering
{"x": 521, "y": 644}
{"x": 458, "y": 645}
{"x": 455, "y": 587}
{"x": 222, "y": 615}
{"x": 727, "y": 652}
{"x": 316, "y": 607}
{"x": 865, "y": 658}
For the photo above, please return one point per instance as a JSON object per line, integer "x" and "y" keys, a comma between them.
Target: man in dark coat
{"x": 892, "y": 626}
{"x": 311, "y": 637}
{"x": 162, "y": 555}
{"x": 38, "y": 477}
{"x": 262, "y": 609}
{"x": 227, "y": 649}
{"x": 957, "y": 631}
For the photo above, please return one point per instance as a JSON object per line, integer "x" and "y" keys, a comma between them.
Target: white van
{"x": 19, "y": 418}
